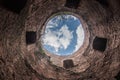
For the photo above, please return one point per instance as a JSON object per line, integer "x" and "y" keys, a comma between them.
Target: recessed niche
{"x": 117, "y": 76}
{"x": 30, "y": 37}
{"x": 72, "y": 3}
{"x": 99, "y": 44}
{"x": 103, "y": 2}
{"x": 63, "y": 35}
{"x": 68, "y": 63}
{"x": 14, "y": 5}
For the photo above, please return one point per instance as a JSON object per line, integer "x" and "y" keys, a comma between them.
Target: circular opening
{"x": 63, "y": 35}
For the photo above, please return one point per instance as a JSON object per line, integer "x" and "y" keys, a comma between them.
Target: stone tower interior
{"x": 22, "y": 56}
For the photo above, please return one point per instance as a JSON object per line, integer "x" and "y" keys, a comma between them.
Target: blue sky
{"x": 63, "y": 35}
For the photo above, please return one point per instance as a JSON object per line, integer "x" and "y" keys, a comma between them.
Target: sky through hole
{"x": 63, "y": 35}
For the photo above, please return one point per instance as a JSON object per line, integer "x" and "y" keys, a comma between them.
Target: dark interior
{"x": 68, "y": 63}
{"x": 30, "y": 37}
{"x": 103, "y": 2}
{"x": 72, "y": 3}
{"x": 14, "y": 5}
{"x": 99, "y": 43}
{"x": 118, "y": 76}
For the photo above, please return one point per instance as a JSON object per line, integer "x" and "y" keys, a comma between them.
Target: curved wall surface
{"x": 22, "y": 57}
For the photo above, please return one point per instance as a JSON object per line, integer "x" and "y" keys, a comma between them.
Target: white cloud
{"x": 52, "y": 23}
{"x": 55, "y": 22}
{"x": 67, "y": 36}
{"x": 58, "y": 39}
{"x": 70, "y": 16}
{"x": 51, "y": 39}
{"x": 80, "y": 37}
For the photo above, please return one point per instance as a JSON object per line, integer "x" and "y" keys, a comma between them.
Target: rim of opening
{"x": 44, "y": 27}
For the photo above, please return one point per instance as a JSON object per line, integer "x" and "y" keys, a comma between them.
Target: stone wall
{"x": 19, "y": 61}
